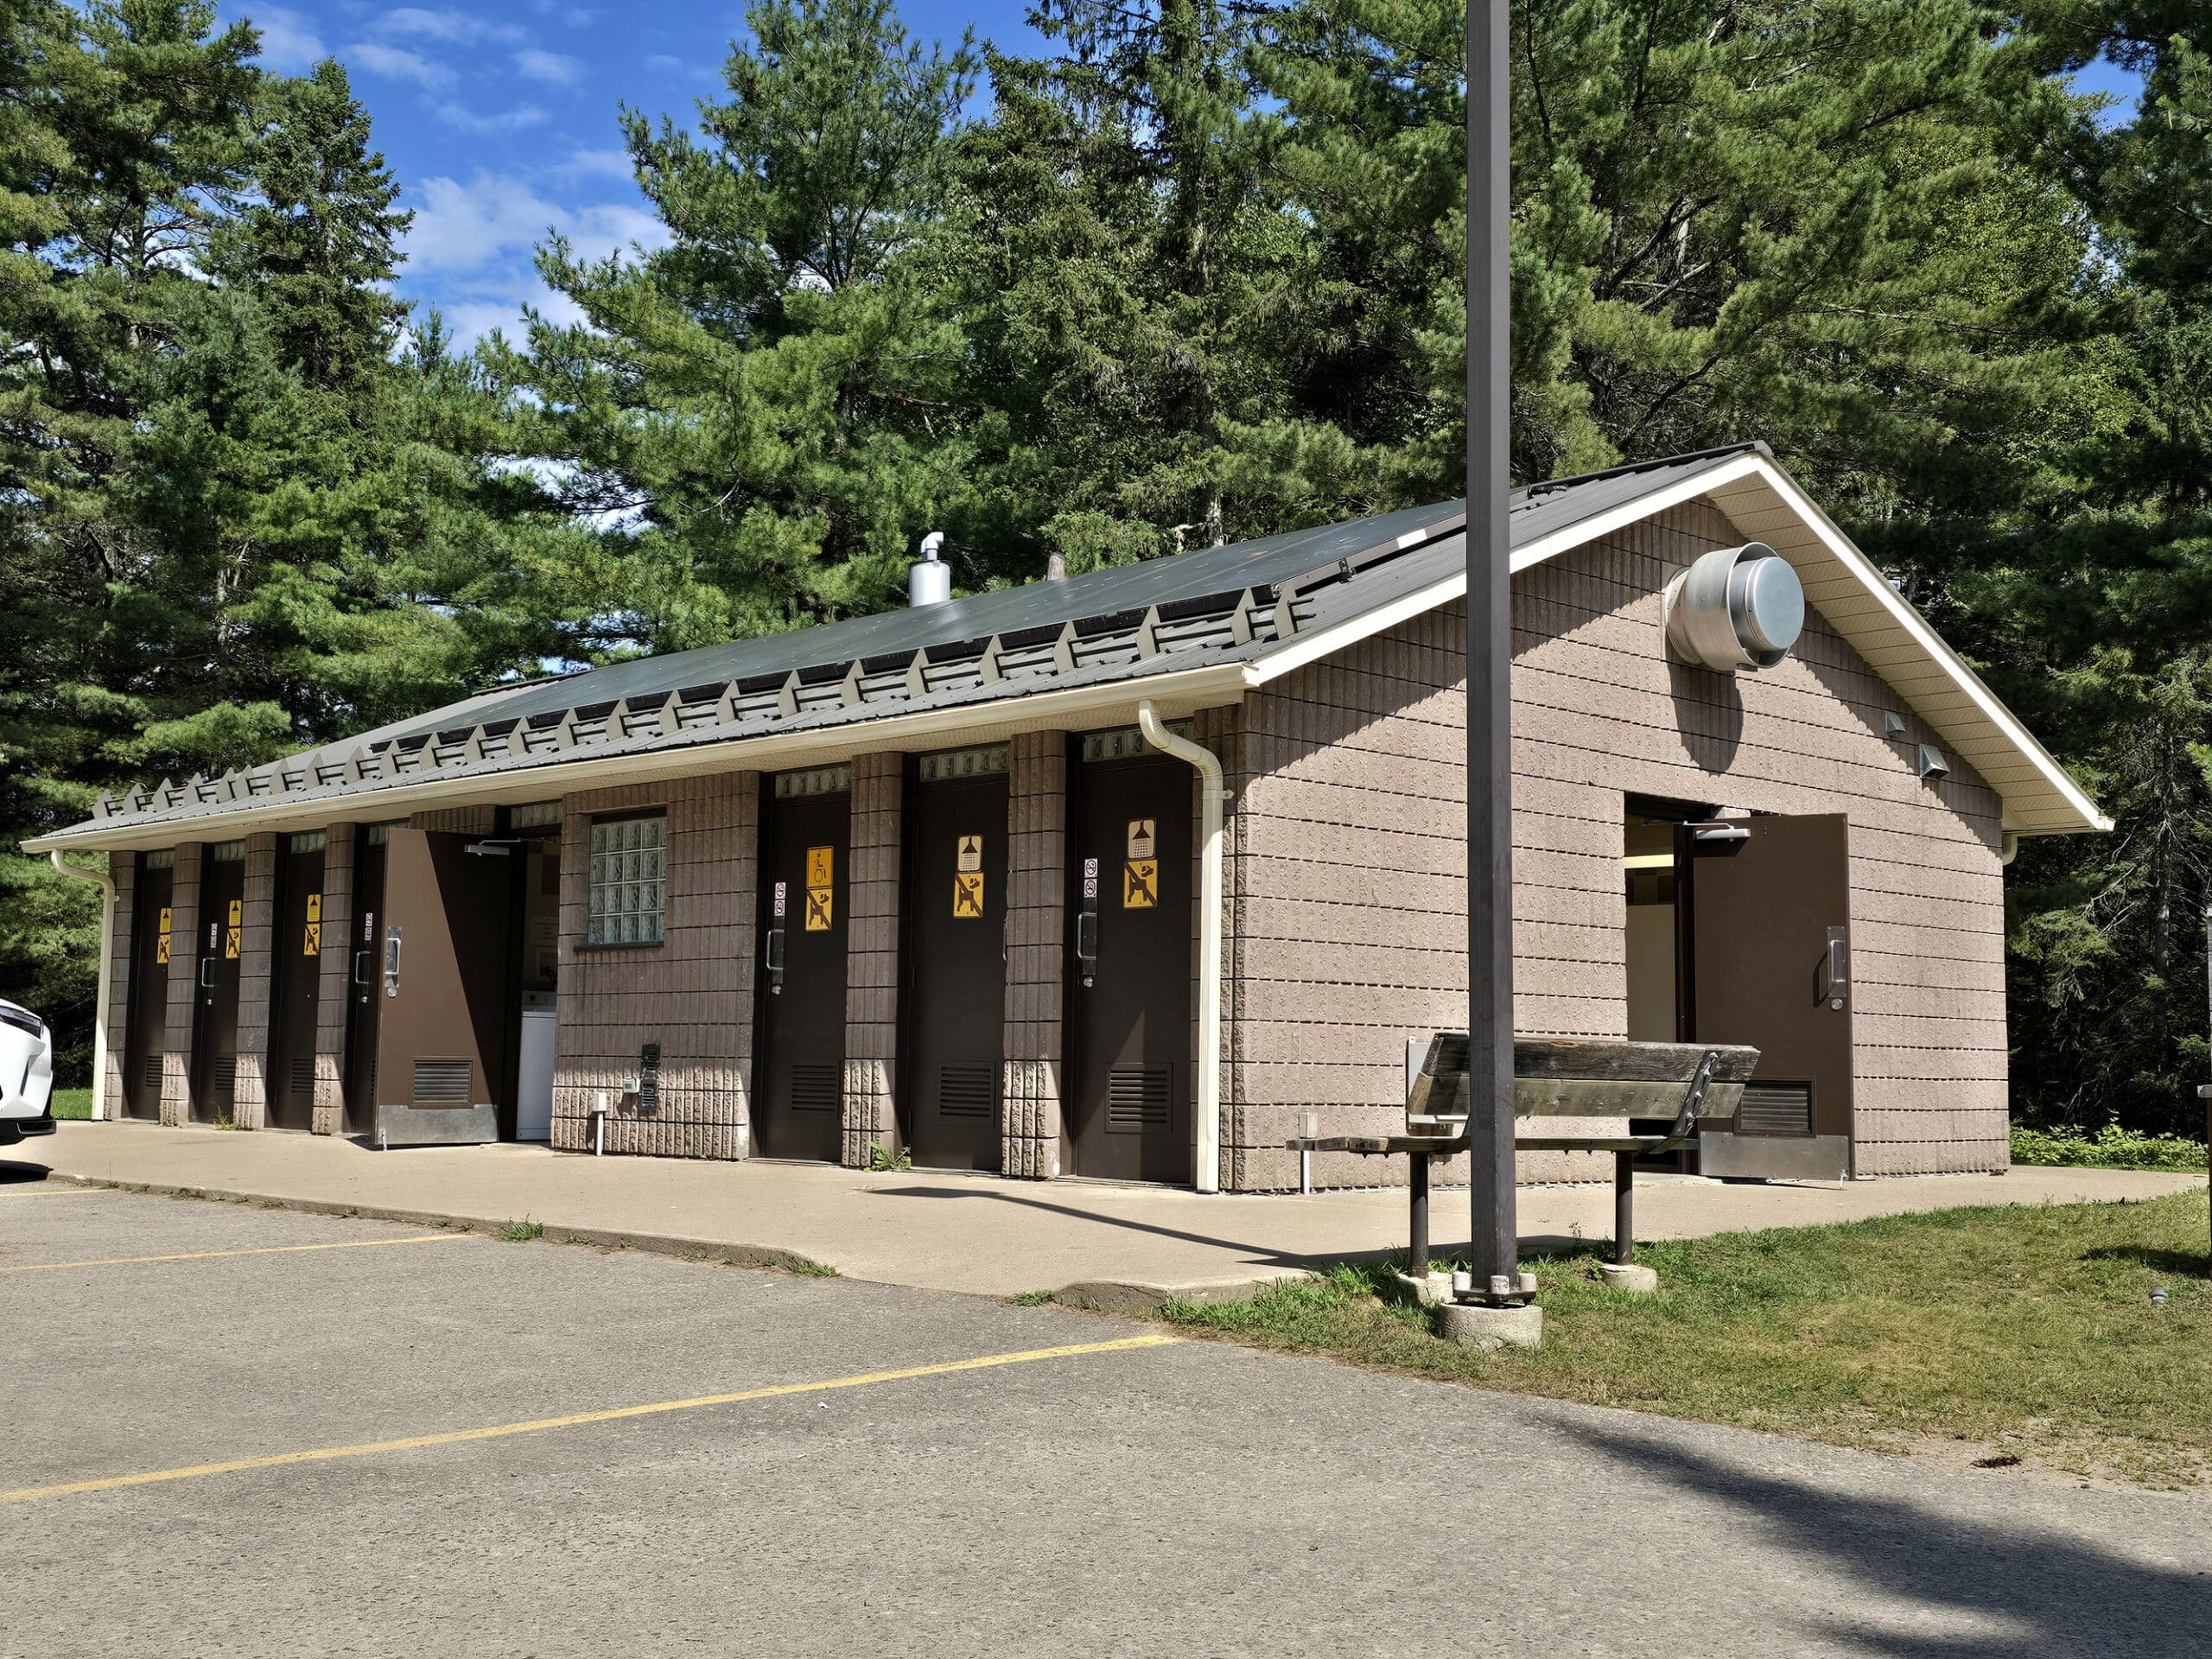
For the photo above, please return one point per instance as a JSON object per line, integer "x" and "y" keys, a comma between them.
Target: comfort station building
{"x": 937, "y": 879}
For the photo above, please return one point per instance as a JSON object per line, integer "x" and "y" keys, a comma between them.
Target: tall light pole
{"x": 1489, "y": 654}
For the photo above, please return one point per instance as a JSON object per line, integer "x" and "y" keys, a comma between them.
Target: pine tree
{"x": 763, "y": 409}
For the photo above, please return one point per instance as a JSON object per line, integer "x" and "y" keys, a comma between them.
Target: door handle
{"x": 772, "y": 958}
{"x": 1086, "y": 945}
{"x": 1006, "y": 936}
{"x": 363, "y": 967}
{"x": 392, "y": 961}
{"x": 206, "y": 973}
{"x": 1835, "y": 969}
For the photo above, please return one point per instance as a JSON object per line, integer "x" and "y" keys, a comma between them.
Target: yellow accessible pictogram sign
{"x": 231, "y": 934}
{"x": 161, "y": 944}
{"x": 967, "y": 894}
{"x": 817, "y": 910}
{"x": 1141, "y": 884}
{"x": 312, "y": 944}
{"x": 821, "y": 863}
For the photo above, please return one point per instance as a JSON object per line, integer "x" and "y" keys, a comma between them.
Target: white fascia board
{"x": 1950, "y": 670}
{"x": 1174, "y": 695}
{"x": 1306, "y": 648}
{"x": 1845, "y": 553}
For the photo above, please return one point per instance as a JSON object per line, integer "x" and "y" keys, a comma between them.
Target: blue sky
{"x": 499, "y": 119}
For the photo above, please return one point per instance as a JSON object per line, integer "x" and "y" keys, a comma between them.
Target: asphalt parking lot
{"x": 240, "y": 1431}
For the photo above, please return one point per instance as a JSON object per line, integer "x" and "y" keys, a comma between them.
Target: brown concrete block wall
{"x": 123, "y": 868}
{"x": 334, "y": 982}
{"x": 457, "y": 820}
{"x": 1350, "y": 858}
{"x": 183, "y": 985}
{"x": 1036, "y": 907}
{"x": 872, "y": 957}
{"x": 257, "y": 987}
{"x": 692, "y": 994}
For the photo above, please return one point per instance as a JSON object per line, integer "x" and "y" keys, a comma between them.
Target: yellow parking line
{"x": 500, "y": 1431}
{"x": 54, "y": 1192}
{"x": 209, "y": 1256}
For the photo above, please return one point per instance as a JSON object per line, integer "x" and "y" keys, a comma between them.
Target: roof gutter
{"x": 1175, "y": 694}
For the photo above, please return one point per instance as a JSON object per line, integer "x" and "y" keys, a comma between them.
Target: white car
{"x": 26, "y": 1075}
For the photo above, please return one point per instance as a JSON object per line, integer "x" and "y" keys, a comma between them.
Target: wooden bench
{"x": 1555, "y": 1077}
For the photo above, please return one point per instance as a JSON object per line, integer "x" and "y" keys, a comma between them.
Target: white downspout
{"x": 106, "y": 885}
{"x": 1212, "y": 797}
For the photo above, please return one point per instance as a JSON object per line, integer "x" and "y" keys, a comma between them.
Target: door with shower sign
{"x": 955, "y": 953}
{"x": 799, "y": 1103}
{"x": 1129, "y": 992}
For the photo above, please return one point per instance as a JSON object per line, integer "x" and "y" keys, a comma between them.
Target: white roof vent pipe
{"x": 1735, "y": 607}
{"x": 929, "y": 579}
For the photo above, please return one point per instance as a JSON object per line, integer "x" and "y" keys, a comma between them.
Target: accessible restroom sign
{"x": 821, "y": 871}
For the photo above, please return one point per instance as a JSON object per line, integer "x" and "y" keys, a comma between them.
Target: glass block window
{"x": 629, "y": 881}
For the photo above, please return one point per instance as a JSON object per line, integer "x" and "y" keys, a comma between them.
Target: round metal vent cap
{"x": 1735, "y": 607}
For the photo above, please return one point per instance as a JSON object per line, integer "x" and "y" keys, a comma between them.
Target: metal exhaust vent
{"x": 1735, "y": 607}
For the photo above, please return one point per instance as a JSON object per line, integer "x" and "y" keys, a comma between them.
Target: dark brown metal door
{"x": 956, "y": 970}
{"x": 215, "y": 1025}
{"x": 151, "y": 946}
{"x": 442, "y": 1037}
{"x": 1770, "y": 967}
{"x": 298, "y": 974}
{"x": 799, "y": 1099}
{"x": 364, "y": 986}
{"x": 1130, "y": 1028}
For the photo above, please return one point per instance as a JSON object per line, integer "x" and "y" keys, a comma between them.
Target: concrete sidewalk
{"x": 1124, "y": 1246}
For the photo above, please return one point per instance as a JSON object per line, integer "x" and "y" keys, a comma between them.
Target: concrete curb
{"x": 1125, "y": 1296}
{"x": 689, "y": 1249}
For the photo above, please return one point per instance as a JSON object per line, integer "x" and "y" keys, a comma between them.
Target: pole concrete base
{"x": 1429, "y": 1290}
{"x": 1472, "y": 1324}
{"x": 1622, "y": 1275}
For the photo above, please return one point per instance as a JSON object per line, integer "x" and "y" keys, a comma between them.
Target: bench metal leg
{"x": 1624, "y": 1208}
{"x": 1417, "y": 1243}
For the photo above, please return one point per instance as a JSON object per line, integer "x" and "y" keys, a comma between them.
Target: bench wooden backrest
{"x": 1559, "y": 1076}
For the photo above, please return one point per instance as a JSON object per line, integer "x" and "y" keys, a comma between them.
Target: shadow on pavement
{"x": 14, "y": 1172}
{"x": 2040, "y": 1594}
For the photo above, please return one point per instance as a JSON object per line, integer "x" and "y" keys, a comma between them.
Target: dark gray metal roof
{"x": 1198, "y": 609}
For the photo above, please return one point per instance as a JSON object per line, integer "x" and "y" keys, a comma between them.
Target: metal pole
{"x": 1417, "y": 1227}
{"x": 1494, "y": 1225}
{"x": 1624, "y": 1208}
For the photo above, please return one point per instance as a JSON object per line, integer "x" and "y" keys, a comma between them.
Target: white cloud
{"x": 289, "y": 42}
{"x": 395, "y": 63}
{"x": 597, "y": 164}
{"x": 550, "y": 67}
{"x": 514, "y": 120}
{"x": 454, "y": 28}
{"x": 465, "y": 227}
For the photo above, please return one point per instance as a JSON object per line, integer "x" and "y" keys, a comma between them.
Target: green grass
{"x": 2026, "y": 1331}
{"x": 2110, "y": 1147}
{"x": 72, "y": 1102}
{"x": 521, "y": 1232}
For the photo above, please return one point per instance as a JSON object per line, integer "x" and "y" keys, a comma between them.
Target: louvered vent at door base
{"x": 1775, "y": 1108}
{"x": 153, "y": 1071}
{"x": 302, "y": 1077}
{"x": 969, "y": 1091}
{"x": 226, "y": 1079}
{"x": 442, "y": 1083}
{"x": 817, "y": 1089}
{"x": 1139, "y": 1097}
